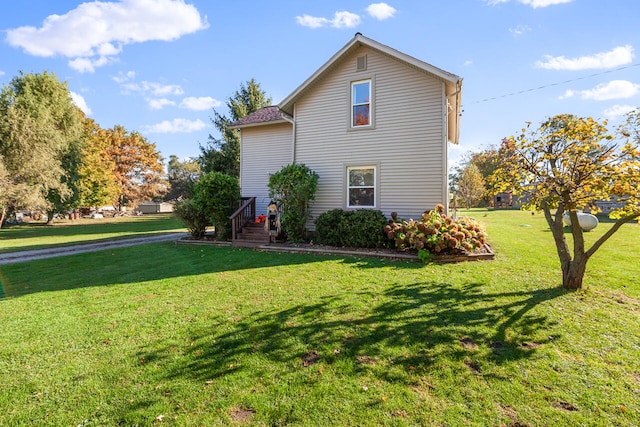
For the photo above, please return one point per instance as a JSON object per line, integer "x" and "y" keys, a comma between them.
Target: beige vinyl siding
{"x": 407, "y": 140}
{"x": 264, "y": 150}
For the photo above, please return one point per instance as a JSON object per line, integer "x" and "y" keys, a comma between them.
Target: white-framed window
{"x": 361, "y": 103}
{"x": 361, "y": 186}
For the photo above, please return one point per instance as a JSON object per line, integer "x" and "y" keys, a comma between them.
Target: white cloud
{"x": 618, "y": 111}
{"x": 616, "y": 57}
{"x": 345, "y": 19}
{"x": 381, "y": 11}
{"x": 533, "y": 3}
{"x": 176, "y": 126}
{"x": 567, "y": 94}
{"x": 615, "y": 89}
{"x": 94, "y": 32}
{"x": 88, "y": 65}
{"x": 467, "y": 63}
{"x": 160, "y": 103}
{"x": 341, "y": 19}
{"x": 80, "y": 103}
{"x": 2, "y": 73}
{"x": 519, "y": 30}
{"x": 153, "y": 88}
{"x": 199, "y": 104}
{"x": 543, "y": 3}
{"x": 122, "y": 78}
{"x": 311, "y": 21}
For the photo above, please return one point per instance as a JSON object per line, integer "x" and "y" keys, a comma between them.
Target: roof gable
{"x": 453, "y": 83}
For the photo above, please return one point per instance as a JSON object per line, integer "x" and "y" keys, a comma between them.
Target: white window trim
{"x": 371, "y": 103}
{"x": 376, "y": 184}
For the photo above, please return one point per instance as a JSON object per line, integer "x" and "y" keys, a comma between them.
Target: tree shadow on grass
{"x": 417, "y": 325}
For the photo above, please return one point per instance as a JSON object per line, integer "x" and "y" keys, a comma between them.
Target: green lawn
{"x": 183, "y": 335}
{"x": 39, "y": 235}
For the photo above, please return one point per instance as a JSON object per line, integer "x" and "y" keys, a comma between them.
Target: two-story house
{"x": 372, "y": 122}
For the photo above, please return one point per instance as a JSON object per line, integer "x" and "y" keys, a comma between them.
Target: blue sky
{"x": 160, "y": 66}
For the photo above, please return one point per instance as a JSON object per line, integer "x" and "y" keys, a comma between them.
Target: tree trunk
{"x": 50, "y": 216}
{"x": 573, "y": 267}
{"x": 3, "y": 213}
{"x": 573, "y": 273}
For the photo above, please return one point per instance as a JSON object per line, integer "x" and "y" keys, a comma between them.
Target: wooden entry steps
{"x": 252, "y": 235}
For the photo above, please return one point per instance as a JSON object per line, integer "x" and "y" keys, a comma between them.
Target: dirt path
{"x": 23, "y": 256}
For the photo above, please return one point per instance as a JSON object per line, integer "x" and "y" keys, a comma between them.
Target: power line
{"x": 553, "y": 84}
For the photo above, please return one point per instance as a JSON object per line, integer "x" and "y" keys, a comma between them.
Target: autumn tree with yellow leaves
{"x": 564, "y": 166}
{"x": 138, "y": 167}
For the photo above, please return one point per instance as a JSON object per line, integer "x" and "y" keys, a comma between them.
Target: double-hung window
{"x": 361, "y": 186}
{"x": 361, "y": 103}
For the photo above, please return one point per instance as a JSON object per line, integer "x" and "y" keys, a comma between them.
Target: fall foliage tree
{"x": 630, "y": 129}
{"x": 96, "y": 180}
{"x": 486, "y": 161}
{"x": 564, "y": 165}
{"x": 470, "y": 185}
{"x": 223, "y": 155}
{"x": 40, "y": 133}
{"x": 138, "y": 167}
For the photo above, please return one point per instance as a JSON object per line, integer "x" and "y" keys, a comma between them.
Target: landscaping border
{"x": 485, "y": 254}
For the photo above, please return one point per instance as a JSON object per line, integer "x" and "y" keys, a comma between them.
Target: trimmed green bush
{"x": 362, "y": 228}
{"x": 218, "y": 196}
{"x": 293, "y": 187}
{"x": 193, "y": 217}
{"x": 214, "y": 198}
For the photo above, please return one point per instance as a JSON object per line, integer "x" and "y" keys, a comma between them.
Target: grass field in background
{"x": 165, "y": 334}
{"x": 39, "y": 235}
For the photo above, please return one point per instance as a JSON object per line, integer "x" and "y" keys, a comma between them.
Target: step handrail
{"x": 241, "y": 217}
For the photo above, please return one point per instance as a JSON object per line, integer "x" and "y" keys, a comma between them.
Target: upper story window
{"x": 361, "y": 103}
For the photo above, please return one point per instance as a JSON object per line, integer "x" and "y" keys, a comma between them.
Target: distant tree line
{"x": 469, "y": 181}
{"x": 53, "y": 159}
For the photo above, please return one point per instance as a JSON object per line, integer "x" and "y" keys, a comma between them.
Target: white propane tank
{"x": 587, "y": 221}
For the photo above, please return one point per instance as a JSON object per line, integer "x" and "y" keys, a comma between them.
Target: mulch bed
{"x": 484, "y": 253}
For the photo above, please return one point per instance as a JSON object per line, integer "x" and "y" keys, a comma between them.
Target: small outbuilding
{"x": 155, "y": 207}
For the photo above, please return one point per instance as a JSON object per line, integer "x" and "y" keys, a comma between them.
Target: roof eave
{"x": 250, "y": 125}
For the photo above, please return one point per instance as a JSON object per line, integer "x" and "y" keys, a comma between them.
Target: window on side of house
{"x": 361, "y": 186}
{"x": 361, "y": 103}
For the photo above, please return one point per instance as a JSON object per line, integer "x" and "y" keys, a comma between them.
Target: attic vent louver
{"x": 361, "y": 63}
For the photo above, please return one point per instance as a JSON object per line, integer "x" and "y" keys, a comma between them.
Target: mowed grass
{"x": 39, "y": 235}
{"x": 188, "y": 335}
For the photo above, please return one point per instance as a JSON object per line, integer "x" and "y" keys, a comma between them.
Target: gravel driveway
{"x": 22, "y": 256}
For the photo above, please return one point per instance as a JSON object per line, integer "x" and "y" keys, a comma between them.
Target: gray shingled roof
{"x": 262, "y": 116}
